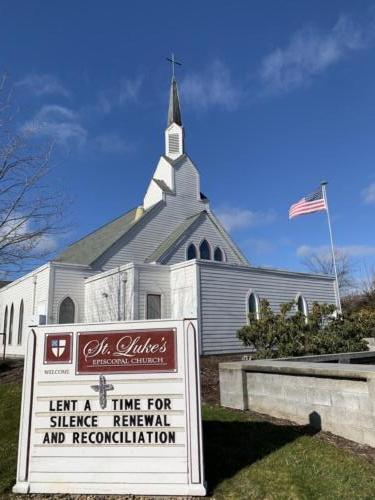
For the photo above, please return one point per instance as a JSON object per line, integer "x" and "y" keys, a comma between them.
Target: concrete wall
{"x": 336, "y": 398}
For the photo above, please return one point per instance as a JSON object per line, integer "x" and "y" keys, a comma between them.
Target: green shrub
{"x": 284, "y": 334}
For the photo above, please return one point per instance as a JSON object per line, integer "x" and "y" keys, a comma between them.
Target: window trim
{"x": 21, "y": 311}
{"x": 11, "y": 321}
{"x": 187, "y": 250}
{"x": 209, "y": 247}
{"x": 257, "y": 302}
{"x": 224, "y": 259}
{"x": 75, "y": 310}
{"x": 5, "y": 324}
{"x": 305, "y": 310}
{"x": 161, "y": 295}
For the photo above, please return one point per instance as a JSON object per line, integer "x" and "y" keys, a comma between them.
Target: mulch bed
{"x": 11, "y": 370}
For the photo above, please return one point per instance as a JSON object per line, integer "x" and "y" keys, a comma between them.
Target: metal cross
{"x": 102, "y": 388}
{"x": 173, "y": 62}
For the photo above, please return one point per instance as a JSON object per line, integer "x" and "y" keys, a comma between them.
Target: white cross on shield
{"x": 58, "y": 347}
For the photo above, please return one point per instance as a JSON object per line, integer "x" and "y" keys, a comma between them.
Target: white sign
{"x": 112, "y": 408}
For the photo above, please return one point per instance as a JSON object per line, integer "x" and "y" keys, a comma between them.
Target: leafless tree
{"x": 322, "y": 263}
{"x": 30, "y": 212}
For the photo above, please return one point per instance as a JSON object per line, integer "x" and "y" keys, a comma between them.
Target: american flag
{"x": 313, "y": 202}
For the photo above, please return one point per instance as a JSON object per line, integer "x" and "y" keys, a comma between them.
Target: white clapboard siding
{"x": 68, "y": 281}
{"x": 223, "y": 299}
{"x": 154, "y": 279}
{"x": 109, "y": 296}
{"x": 33, "y": 290}
{"x": 183, "y": 283}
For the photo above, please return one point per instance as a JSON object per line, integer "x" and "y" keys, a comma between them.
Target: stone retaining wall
{"x": 337, "y": 398}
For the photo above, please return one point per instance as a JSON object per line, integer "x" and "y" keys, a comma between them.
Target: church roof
{"x": 172, "y": 239}
{"x": 91, "y": 247}
{"x": 174, "y": 111}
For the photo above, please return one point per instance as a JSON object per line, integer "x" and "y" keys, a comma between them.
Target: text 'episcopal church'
{"x": 170, "y": 257}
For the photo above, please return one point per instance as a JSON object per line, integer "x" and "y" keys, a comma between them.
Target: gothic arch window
{"x": 218, "y": 254}
{"x": 302, "y": 305}
{"x": 253, "y": 305}
{"x": 10, "y": 334}
{"x": 5, "y": 326}
{"x": 20, "y": 324}
{"x": 191, "y": 252}
{"x": 67, "y": 311}
{"x": 205, "y": 250}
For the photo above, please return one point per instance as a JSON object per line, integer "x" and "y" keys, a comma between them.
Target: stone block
{"x": 346, "y": 400}
{"x": 295, "y": 394}
{"x": 233, "y": 392}
{"x": 369, "y": 437}
{"x": 318, "y": 396}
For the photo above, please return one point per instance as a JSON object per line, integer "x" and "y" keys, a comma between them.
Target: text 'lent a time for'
{"x": 89, "y": 424}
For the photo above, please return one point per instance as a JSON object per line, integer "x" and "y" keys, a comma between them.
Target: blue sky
{"x": 276, "y": 96}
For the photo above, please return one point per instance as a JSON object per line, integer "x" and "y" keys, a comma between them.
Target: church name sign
{"x": 112, "y": 408}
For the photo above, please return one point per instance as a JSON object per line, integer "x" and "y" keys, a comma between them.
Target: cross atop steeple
{"x": 173, "y": 61}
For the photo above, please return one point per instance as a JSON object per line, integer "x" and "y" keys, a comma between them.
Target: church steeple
{"x": 174, "y": 134}
{"x": 174, "y": 111}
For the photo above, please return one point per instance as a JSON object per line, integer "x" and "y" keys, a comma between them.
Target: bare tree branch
{"x": 30, "y": 211}
{"x": 322, "y": 263}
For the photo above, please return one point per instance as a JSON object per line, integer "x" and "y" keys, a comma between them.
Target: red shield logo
{"x": 58, "y": 348}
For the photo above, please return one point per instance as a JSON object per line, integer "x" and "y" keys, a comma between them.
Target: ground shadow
{"x": 231, "y": 446}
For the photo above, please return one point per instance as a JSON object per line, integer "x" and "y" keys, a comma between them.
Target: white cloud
{"x": 260, "y": 246}
{"x": 237, "y": 218}
{"x": 368, "y": 194}
{"x": 111, "y": 143}
{"x": 43, "y": 85}
{"x": 116, "y": 97}
{"x": 310, "y": 52}
{"x": 212, "y": 87}
{"x": 59, "y": 123}
{"x": 325, "y": 251}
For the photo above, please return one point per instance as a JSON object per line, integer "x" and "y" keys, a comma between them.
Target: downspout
{"x": 124, "y": 280}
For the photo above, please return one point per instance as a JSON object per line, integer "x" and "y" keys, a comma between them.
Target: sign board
{"x": 112, "y": 408}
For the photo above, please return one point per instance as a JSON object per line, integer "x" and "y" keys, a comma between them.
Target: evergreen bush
{"x": 289, "y": 333}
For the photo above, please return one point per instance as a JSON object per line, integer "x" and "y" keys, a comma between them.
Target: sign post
{"x": 112, "y": 408}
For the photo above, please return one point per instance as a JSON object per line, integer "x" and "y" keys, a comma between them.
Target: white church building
{"x": 170, "y": 257}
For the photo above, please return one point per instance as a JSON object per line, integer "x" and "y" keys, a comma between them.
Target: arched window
{"x": 204, "y": 250}
{"x": 5, "y": 326}
{"x": 218, "y": 254}
{"x": 67, "y": 311}
{"x": 191, "y": 252}
{"x": 20, "y": 324}
{"x": 253, "y": 305}
{"x": 10, "y": 334}
{"x": 302, "y": 305}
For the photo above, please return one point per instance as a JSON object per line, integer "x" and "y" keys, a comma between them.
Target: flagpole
{"x": 324, "y": 192}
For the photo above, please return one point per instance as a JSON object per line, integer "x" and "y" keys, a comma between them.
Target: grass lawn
{"x": 245, "y": 458}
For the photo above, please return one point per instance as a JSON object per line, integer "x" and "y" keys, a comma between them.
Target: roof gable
{"x": 163, "y": 252}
